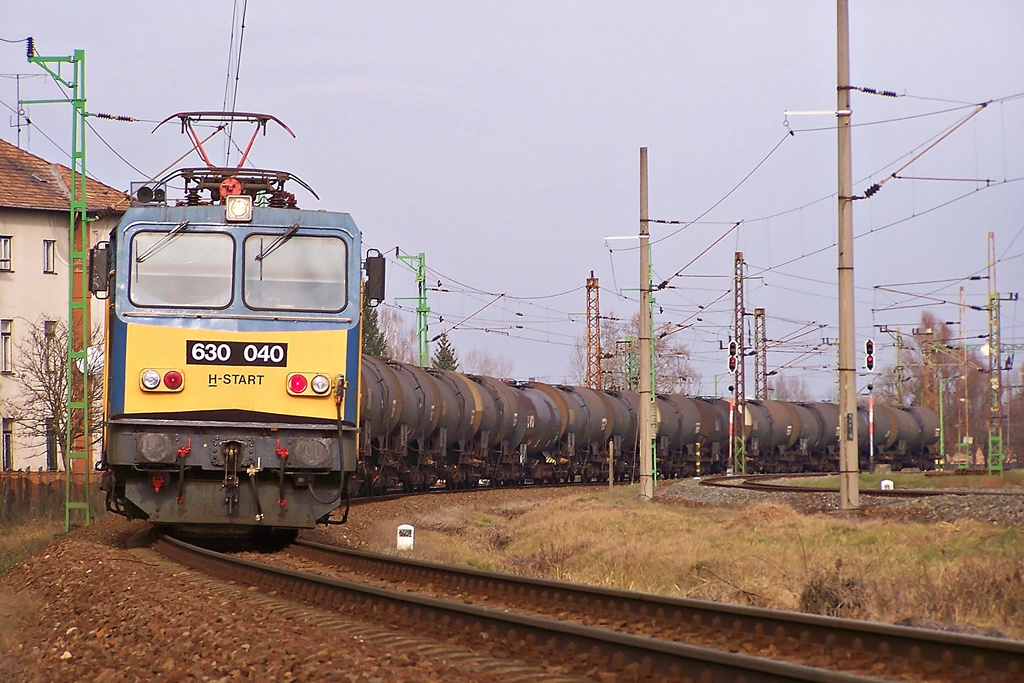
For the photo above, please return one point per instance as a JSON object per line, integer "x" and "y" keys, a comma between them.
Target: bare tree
{"x": 672, "y": 369}
{"x": 41, "y": 374}
{"x": 789, "y": 387}
{"x": 483, "y": 363}
{"x": 400, "y": 339}
{"x": 932, "y": 363}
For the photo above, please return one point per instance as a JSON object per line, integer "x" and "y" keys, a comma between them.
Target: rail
{"x": 585, "y": 650}
{"x": 900, "y": 651}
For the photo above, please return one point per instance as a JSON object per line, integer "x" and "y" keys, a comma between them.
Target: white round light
{"x": 237, "y": 209}
{"x": 150, "y": 379}
{"x": 321, "y": 384}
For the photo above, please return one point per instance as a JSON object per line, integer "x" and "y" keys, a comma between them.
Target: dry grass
{"x": 18, "y": 541}
{"x": 1009, "y": 479}
{"x": 963, "y": 575}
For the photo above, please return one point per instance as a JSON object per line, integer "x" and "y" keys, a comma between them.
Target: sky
{"x": 502, "y": 141}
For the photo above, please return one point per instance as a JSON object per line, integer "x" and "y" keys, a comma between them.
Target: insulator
{"x": 30, "y": 48}
{"x": 113, "y": 117}
{"x": 192, "y": 198}
{"x": 872, "y": 190}
{"x": 889, "y": 93}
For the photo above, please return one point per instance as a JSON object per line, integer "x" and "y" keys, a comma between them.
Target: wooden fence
{"x": 26, "y": 495}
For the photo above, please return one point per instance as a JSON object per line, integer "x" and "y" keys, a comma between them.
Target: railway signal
{"x": 869, "y": 354}
{"x": 733, "y": 359}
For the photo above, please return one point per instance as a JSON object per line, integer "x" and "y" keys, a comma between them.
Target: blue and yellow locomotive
{"x": 232, "y": 352}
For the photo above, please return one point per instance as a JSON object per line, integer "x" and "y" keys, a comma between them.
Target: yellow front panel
{"x": 206, "y": 387}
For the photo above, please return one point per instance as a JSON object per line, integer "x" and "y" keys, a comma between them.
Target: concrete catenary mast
{"x": 849, "y": 486}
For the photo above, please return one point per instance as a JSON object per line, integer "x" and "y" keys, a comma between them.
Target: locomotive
{"x": 232, "y": 349}
{"x": 420, "y": 426}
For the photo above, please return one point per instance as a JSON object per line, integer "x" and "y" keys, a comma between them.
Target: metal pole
{"x": 646, "y": 455}
{"x": 871, "y": 432}
{"x": 419, "y": 264}
{"x": 732, "y": 419}
{"x": 739, "y": 451}
{"x": 78, "y": 437}
{"x": 595, "y": 378}
{"x": 611, "y": 464}
{"x": 760, "y": 356}
{"x": 717, "y": 378}
{"x": 849, "y": 491}
{"x": 942, "y": 425}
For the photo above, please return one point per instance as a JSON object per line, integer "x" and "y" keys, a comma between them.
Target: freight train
{"x": 232, "y": 348}
{"x": 423, "y": 426}
{"x": 236, "y": 396}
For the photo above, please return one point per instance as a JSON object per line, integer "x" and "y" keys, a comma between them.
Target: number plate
{"x": 236, "y": 353}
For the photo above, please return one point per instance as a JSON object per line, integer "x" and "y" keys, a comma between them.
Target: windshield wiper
{"x": 273, "y": 246}
{"x": 178, "y": 229}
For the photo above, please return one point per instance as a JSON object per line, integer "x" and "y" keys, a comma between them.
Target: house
{"x": 34, "y": 286}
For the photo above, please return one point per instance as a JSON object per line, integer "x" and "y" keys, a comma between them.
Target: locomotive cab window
{"x": 295, "y": 273}
{"x": 182, "y": 269}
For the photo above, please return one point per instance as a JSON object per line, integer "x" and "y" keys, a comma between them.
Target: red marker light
{"x": 297, "y": 384}
{"x": 173, "y": 380}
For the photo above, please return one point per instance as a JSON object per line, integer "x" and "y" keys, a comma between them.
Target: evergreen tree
{"x": 445, "y": 358}
{"x": 374, "y": 343}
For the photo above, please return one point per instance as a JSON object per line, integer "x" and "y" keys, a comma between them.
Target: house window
{"x": 50, "y": 329}
{"x": 51, "y": 446}
{"x": 8, "y": 439}
{"x": 5, "y": 252}
{"x": 49, "y": 256}
{"x": 6, "y": 347}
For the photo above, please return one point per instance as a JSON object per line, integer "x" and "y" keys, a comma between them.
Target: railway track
{"x": 896, "y": 652}
{"x": 584, "y": 651}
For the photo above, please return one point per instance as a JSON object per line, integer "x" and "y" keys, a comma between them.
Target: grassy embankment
{"x": 18, "y": 541}
{"x": 30, "y": 527}
{"x": 1009, "y": 479}
{"x": 964, "y": 574}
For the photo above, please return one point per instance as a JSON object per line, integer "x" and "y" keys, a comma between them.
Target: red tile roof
{"x": 31, "y": 182}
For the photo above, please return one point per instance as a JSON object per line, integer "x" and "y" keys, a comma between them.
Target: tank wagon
{"x": 423, "y": 426}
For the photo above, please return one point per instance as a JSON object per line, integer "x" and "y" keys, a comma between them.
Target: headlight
{"x": 150, "y": 379}
{"x": 321, "y": 384}
{"x": 238, "y": 208}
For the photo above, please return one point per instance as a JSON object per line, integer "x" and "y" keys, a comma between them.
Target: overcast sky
{"x": 502, "y": 140}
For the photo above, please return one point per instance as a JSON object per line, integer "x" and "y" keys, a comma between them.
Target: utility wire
{"x": 116, "y": 153}
{"x": 679, "y": 272}
{"x": 238, "y": 64}
{"x": 890, "y": 225}
{"x": 727, "y": 194}
{"x": 910, "y": 117}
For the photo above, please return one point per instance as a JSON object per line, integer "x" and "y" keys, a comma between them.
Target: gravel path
{"x": 92, "y": 608}
{"x": 1004, "y": 510}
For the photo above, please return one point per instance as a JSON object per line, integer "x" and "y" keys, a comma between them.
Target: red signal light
{"x": 173, "y": 380}
{"x": 297, "y": 384}
{"x": 732, "y": 363}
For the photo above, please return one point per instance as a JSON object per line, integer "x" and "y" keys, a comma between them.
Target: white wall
{"x": 28, "y": 295}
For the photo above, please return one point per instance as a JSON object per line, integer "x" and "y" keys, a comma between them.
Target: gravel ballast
{"x": 92, "y": 608}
